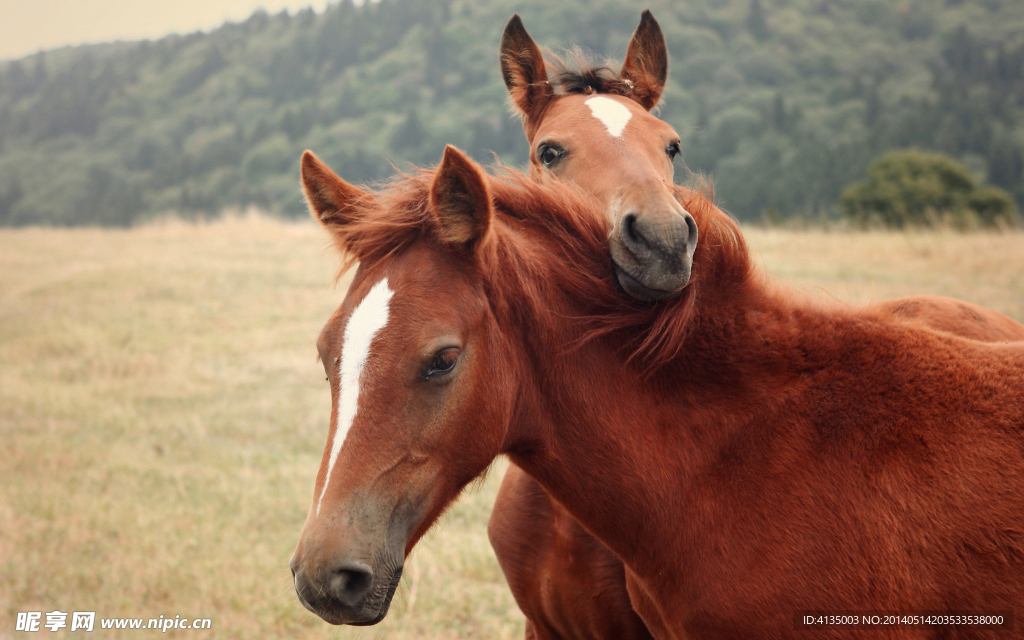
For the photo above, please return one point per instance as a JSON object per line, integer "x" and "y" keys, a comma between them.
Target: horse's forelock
{"x": 574, "y": 72}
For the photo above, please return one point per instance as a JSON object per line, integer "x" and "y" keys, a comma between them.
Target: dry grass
{"x": 860, "y": 267}
{"x": 162, "y": 416}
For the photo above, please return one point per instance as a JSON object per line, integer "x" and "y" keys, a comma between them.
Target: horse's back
{"x": 915, "y": 436}
{"x": 565, "y": 581}
{"x": 954, "y": 316}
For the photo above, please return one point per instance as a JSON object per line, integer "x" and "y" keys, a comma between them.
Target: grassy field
{"x": 162, "y": 417}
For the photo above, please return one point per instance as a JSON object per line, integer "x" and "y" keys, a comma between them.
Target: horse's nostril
{"x": 658, "y": 239}
{"x": 691, "y": 230}
{"x": 350, "y": 582}
{"x": 629, "y": 230}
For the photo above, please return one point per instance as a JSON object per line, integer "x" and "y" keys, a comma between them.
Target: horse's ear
{"x": 522, "y": 67}
{"x": 646, "y": 65}
{"x": 332, "y": 201}
{"x": 460, "y": 199}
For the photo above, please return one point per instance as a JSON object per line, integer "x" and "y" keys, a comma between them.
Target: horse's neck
{"x": 618, "y": 449}
{"x": 670, "y": 472}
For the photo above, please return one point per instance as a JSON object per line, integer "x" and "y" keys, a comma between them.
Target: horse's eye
{"x": 549, "y": 155}
{"x": 673, "y": 150}
{"x": 442, "y": 363}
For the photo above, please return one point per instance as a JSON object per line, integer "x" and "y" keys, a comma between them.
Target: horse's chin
{"x": 638, "y": 291}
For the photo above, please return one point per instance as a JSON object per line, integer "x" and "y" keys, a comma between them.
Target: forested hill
{"x": 783, "y": 101}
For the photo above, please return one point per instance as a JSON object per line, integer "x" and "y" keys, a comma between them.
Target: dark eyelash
{"x": 442, "y": 363}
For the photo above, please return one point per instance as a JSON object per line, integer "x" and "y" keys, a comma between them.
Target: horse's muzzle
{"x": 347, "y": 593}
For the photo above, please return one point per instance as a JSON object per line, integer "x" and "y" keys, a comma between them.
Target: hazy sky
{"x": 27, "y": 26}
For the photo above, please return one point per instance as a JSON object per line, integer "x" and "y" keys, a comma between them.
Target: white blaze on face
{"x": 365, "y": 322}
{"x": 613, "y": 114}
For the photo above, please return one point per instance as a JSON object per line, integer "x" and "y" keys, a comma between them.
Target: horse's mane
{"x": 548, "y": 235}
{"x": 576, "y": 72}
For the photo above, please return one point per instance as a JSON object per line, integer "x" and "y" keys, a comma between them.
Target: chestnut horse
{"x": 780, "y": 454}
{"x": 568, "y": 584}
{"x": 594, "y": 128}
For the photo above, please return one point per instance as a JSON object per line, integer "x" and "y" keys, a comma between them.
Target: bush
{"x": 917, "y": 188}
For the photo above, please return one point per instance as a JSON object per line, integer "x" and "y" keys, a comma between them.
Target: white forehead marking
{"x": 613, "y": 114}
{"x": 365, "y": 322}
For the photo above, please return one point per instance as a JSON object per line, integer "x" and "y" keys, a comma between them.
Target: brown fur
{"x": 568, "y": 584}
{"x": 565, "y": 581}
{"x": 791, "y": 454}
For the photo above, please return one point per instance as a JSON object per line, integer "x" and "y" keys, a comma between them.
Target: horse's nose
{"x": 652, "y": 252}
{"x": 668, "y": 237}
{"x": 349, "y": 582}
{"x": 344, "y": 584}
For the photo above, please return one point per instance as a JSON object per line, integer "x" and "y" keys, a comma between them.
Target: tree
{"x": 756, "y": 23}
{"x": 784, "y": 107}
{"x": 410, "y": 135}
{"x": 10, "y": 193}
{"x": 916, "y": 188}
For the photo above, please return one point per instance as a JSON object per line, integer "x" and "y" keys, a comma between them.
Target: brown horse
{"x": 592, "y": 127}
{"x": 566, "y": 582}
{"x": 780, "y": 453}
